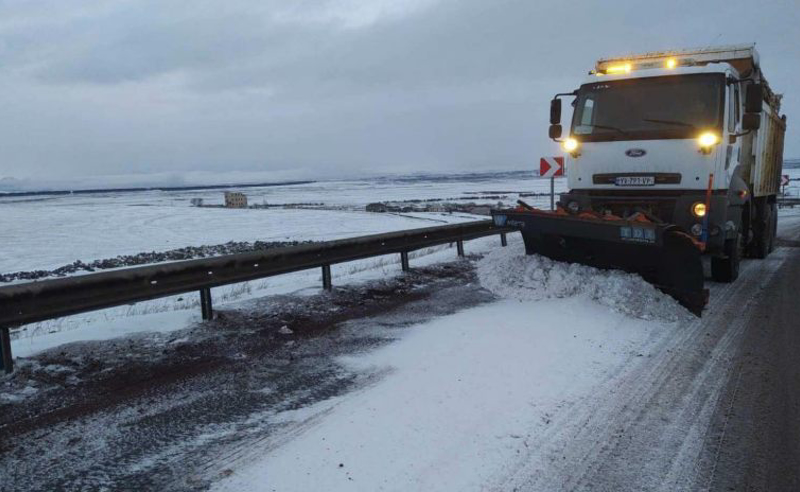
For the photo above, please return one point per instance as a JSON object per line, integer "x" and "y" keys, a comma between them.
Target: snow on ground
{"x": 463, "y": 399}
{"x": 510, "y": 273}
{"x": 556, "y": 332}
{"x": 88, "y": 228}
{"x": 467, "y": 400}
{"x": 50, "y": 231}
{"x": 176, "y": 312}
{"x": 114, "y": 223}
{"x": 46, "y": 232}
{"x": 98, "y": 330}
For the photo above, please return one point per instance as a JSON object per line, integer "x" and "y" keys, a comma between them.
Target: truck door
{"x": 733, "y": 150}
{"x": 746, "y": 146}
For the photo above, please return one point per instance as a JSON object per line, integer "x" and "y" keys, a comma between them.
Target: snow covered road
{"x": 466, "y": 399}
{"x": 535, "y": 394}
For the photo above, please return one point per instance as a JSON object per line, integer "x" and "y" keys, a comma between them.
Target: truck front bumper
{"x": 671, "y": 209}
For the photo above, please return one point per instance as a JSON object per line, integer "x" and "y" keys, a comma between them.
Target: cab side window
{"x": 584, "y": 126}
{"x": 734, "y": 108}
{"x": 588, "y": 109}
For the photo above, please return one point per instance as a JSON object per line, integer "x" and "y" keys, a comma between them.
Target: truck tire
{"x": 762, "y": 231}
{"x": 726, "y": 269}
{"x": 774, "y": 227}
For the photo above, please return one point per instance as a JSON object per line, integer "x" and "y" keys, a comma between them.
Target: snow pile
{"x": 510, "y": 273}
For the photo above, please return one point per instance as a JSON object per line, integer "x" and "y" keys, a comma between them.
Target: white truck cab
{"x": 630, "y": 123}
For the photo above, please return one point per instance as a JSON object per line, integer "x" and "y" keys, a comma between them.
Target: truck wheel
{"x": 773, "y": 237}
{"x": 763, "y": 232}
{"x": 726, "y": 269}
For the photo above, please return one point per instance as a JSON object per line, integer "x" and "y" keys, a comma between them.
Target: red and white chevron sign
{"x": 551, "y": 166}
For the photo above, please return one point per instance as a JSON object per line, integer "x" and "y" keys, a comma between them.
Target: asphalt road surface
{"x": 714, "y": 408}
{"x": 754, "y": 442}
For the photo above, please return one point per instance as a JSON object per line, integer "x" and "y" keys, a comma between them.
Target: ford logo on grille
{"x": 635, "y": 152}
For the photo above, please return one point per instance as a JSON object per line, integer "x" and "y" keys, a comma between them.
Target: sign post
{"x": 550, "y": 167}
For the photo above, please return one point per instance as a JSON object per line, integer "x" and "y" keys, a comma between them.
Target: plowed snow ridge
{"x": 511, "y": 274}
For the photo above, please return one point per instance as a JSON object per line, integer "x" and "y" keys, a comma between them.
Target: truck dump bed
{"x": 766, "y": 178}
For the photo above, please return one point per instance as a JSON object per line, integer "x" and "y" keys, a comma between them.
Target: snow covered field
{"x": 50, "y": 231}
{"x": 47, "y": 232}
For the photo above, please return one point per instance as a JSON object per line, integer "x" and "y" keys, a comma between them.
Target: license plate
{"x": 637, "y": 234}
{"x": 635, "y": 181}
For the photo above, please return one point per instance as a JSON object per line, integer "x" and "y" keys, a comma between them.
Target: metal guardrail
{"x": 788, "y": 201}
{"x": 49, "y": 299}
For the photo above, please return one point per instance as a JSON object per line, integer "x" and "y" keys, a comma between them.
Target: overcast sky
{"x": 327, "y": 88}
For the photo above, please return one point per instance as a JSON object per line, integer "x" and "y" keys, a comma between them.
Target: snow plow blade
{"x": 661, "y": 253}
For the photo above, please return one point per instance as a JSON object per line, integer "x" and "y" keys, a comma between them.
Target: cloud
{"x": 330, "y": 87}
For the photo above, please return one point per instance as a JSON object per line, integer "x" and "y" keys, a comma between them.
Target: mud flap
{"x": 661, "y": 254}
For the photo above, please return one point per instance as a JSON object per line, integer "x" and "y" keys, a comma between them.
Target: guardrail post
{"x": 503, "y": 240}
{"x": 5, "y": 350}
{"x": 205, "y": 304}
{"x": 327, "y": 280}
{"x": 404, "y": 261}
{"x": 460, "y": 247}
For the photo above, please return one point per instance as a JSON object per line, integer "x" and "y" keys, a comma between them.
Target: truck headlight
{"x": 707, "y": 139}
{"x": 699, "y": 209}
{"x": 570, "y": 145}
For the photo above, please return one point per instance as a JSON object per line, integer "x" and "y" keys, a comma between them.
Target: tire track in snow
{"x": 645, "y": 426}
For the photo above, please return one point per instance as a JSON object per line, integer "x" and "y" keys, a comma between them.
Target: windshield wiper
{"x": 669, "y": 122}
{"x": 610, "y": 128}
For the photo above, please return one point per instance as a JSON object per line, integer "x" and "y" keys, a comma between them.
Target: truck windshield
{"x": 649, "y": 108}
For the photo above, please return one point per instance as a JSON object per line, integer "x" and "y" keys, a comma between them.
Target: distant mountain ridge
{"x": 153, "y": 188}
{"x": 10, "y": 186}
{"x": 445, "y": 177}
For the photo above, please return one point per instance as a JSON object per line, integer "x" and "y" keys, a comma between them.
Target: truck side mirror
{"x": 753, "y": 98}
{"x": 751, "y": 121}
{"x": 555, "y": 131}
{"x": 555, "y": 111}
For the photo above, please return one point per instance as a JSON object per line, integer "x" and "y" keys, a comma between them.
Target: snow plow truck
{"x": 669, "y": 156}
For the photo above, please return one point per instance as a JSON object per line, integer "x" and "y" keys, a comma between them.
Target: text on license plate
{"x": 635, "y": 180}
